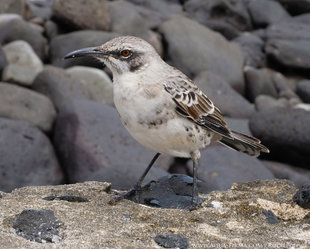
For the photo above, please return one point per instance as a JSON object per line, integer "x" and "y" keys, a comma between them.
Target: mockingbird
{"x": 162, "y": 108}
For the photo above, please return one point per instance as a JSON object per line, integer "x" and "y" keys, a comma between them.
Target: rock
{"x": 62, "y": 44}
{"x": 3, "y": 60}
{"x": 284, "y": 171}
{"x": 225, "y": 98}
{"x": 223, "y": 216}
{"x": 202, "y": 49}
{"x": 23, "y": 104}
{"x": 172, "y": 240}
{"x": 89, "y": 136}
{"x": 232, "y": 12}
{"x": 220, "y": 167}
{"x": 38, "y": 225}
{"x": 51, "y": 29}
{"x": 224, "y": 28}
{"x": 18, "y": 29}
{"x": 271, "y": 217}
{"x": 288, "y": 42}
{"x": 41, "y": 9}
{"x": 96, "y": 81}
{"x": 266, "y": 102}
{"x": 286, "y": 132}
{"x": 302, "y": 197}
{"x": 75, "y": 13}
{"x": 304, "y": 18}
{"x": 127, "y": 18}
{"x": 62, "y": 86}
{"x": 239, "y": 124}
{"x": 23, "y": 64}
{"x": 27, "y": 157}
{"x": 266, "y": 12}
{"x": 124, "y": 176}
{"x": 13, "y": 6}
{"x": 296, "y": 7}
{"x": 252, "y": 48}
{"x": 303, "y": 90}
{"x": 260, "y": 81}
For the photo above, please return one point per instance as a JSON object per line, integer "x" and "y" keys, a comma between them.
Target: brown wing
{"x": 192, "y": 103}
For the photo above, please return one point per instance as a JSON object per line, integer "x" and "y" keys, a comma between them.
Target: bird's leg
{"x": 194, "y": 202}
{"x": 137, "y": 187}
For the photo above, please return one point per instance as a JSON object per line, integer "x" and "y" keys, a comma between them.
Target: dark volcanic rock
{"x": 89, "y": 136}
{"x": 63, "y": 44}
{"x": 232, "y": 12}
{"x": 18, "y": 29}
{"x": 27, "y": 157}
{"x": 303, "y": 90}
{"x": 172, "y": 241}
{"x": 302, "y": 197}
{"x": 266, "y": 12}
{"x": 252, "y": 47}
{"x": 286, "y": 132}
{"x": 74, "y": 12}
{"x": 38, "y": 225}
{"x": 230, "y": 102}
{"x": 202, "y": 49}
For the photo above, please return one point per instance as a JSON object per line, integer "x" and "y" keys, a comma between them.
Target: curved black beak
{"x": 85, "y": 52}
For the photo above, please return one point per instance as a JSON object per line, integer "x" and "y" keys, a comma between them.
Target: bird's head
{"x": 122, "y": 54}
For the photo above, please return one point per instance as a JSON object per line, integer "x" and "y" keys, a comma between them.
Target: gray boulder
{"x": 286, "y": 132}
{"x": 303, "y": 90}
{"x": 63, "y": 44}
{"x": 231, "y": 12}
{"x": 230, "y": 102}
{"x": 260, "y": 81}
{"x": 220, "y": 167}
{"x": 239, "y": 124}
{"x": 63, "y": 86}
{"x": 266, "y": 12}
{"x": 202, "y": 49}
{"x": 23, "y": 64}
{"x": 266, "y": 102}
{"x": 13, "y": 6}
{"x": 252, "y": 48}
{"x": 89, "y": 137}
{"x": 74, "y": 12}
{"x": 27, "y": 157}
{"x": 18, "y": 29}
{"x": 95, "y": 81}
{"x": 288, "y": 43}
{"x": 23, "y": 104}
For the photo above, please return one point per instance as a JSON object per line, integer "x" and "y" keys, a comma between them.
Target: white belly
{"x": 153, "y": 122}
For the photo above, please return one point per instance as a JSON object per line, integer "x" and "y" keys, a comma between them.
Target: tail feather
{"x": 244, "y": 143}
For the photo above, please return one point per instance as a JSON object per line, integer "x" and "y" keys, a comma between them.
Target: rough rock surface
{"x": 27, "y": 156}
{"x": 202, "y": 49}
{"x": 27, "y": 105}
{"x": 23, "y": 64}
{"x": 75, "y": 12}
{"x": 234, "y": 218}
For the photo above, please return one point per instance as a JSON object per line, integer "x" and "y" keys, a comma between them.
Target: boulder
{"x": 303, "y": 90}
{"x": 23, "y": 104}
{"x": 230, "y": 102}
{"x": 23, "y": 64}
{"x": 13, "y": 6}
{"x": 75, "y": 13}
{"x": 89, "y": 136}
{"x": 27, "y": 156}
{"x": 202, "y": 49}
{"x": 63, "y": 44}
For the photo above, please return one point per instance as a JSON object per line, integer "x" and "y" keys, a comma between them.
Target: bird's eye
{"x": 126, "y": 53}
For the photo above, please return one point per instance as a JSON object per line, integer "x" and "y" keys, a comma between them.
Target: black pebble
{"x": 302, "y": 197}
{"x": 172, "y": 241}
{"x": 271, "y": 217}
{"x": 69, "y": 198}
{"x": 38, "y": 225}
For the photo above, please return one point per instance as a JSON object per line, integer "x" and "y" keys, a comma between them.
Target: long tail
{"x": 244, "y": 143}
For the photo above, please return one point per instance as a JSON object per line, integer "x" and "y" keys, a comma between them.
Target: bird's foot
{"x": 135, "y": 191}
